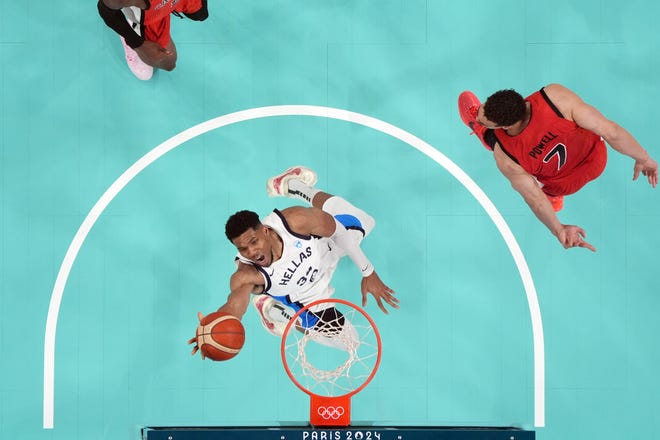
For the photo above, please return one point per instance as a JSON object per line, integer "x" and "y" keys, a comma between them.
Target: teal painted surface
{"x": 459, "y": 351}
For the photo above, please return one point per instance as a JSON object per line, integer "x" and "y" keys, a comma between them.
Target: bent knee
{"x": 168, "y": 64}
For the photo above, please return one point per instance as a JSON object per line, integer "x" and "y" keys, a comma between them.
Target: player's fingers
{"x": 364, "y": 298}
{"x": 635, "y": 173}
{"x": 381, "y": 306}
{"x": 200, "y": 316}
{"x": 192, "y": 340}
{"x": 393, "y": 304}
{"x": 194, "y": 350}
{"x": 584, "y": 244}
{"x": 392, "y": 300}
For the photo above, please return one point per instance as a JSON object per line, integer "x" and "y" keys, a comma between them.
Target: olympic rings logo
{"x": 330, "y": 412}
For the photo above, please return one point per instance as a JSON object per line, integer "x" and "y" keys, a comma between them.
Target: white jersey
{"x": 304, "y": 271}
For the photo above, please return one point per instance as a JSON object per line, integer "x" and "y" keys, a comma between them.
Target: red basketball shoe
{"x": 556, "y": 201}
{"x": 468, "y": 107}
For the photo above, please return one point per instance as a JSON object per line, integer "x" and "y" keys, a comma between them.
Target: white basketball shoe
{"x": 274, "y": 315}
{"x": 278, "y": 185}
{"x": 139, "y": 68}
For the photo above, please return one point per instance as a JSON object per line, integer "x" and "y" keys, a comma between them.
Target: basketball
{"x": 220, "y": 336}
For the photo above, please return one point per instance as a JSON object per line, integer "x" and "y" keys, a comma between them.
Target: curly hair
{"x": 240, "y": 222}
{"x": 505, "y": 107}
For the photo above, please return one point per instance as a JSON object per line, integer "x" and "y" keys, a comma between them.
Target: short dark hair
{"x": 505, "y": 107}
{"x": 240, "y": 222}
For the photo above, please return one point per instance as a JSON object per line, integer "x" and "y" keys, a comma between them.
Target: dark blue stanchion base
{"x": 348, "y": 433}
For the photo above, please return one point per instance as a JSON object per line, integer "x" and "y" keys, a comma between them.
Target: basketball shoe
{"x": 468, "y": 107}
{"x": 278, "y": 185}
{"x": 139, "y": 68}
{"x": 274, "y": 315}
{"x": 557, "y": 202}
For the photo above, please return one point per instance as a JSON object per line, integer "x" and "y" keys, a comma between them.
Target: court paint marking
{"x": 291, "y": 110}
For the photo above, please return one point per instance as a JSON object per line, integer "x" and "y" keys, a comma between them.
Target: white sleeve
{"x": 347, "y": 240}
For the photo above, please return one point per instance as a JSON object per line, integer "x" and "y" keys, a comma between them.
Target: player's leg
{"x": 352, "y": 224}
{"x": 298, "y": 182}
{"x": 274, "y": 314}
{"x": 169, "y": 62}
{"x": 351, "y": 217}
{"x": 329, "y": 326}
{"x": 159, "y": 49}
{"x": 139, "y": 68}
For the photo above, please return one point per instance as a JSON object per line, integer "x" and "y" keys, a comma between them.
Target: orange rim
{"x": 293, "y": 320}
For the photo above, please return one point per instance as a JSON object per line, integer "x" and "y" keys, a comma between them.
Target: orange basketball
{"x": 220, "y": 336}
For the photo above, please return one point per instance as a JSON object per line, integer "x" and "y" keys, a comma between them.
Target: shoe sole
{"x": 467, "y": 100}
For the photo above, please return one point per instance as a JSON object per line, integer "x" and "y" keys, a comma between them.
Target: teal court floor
{"x": 114, "y": 198}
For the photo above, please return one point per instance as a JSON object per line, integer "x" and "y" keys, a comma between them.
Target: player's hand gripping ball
{"x": 220, "y": 336}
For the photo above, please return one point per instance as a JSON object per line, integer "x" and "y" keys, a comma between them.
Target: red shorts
{"x": 588, "y": 170}
{"x": 157, "y": 24}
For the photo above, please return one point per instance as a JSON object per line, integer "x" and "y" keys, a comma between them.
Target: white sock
{"x": 132, "y": 13}
{"x": 299, "y": 190}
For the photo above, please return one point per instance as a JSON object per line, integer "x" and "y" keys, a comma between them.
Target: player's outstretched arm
{"x": 568, "y": 235}
{"x": 243, "y": 283}
{"x": 318, "y": 222}
{"x": 587, "y": 116}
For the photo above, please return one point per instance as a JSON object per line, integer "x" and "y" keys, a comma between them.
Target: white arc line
{"x": 291, "y": 110}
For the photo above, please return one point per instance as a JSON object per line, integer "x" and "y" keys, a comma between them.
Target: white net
{"x": 337, "y": 356}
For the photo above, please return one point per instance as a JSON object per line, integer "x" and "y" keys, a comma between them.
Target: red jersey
{"x": 156, "y": 19}
{"x": 561, "y": 155}
{"x": 159, "y": 9}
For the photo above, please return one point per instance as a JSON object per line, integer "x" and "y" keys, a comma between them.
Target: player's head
{"x": 502, "y": 109}
{"x": 240, "y": 222}
{"x": 250, "y": 236}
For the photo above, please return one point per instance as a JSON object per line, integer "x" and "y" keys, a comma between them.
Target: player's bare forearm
{"x": 622, "y": 141}
{"x": 239, "y": 297}
{"x": 542, "y": 209}
{"x": 237, "y": 303}
{"x": 626, "y": 144}
{"x": 529, "y": 189}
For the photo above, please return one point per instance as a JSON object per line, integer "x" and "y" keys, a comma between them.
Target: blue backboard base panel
{"x": 348, "y": 433}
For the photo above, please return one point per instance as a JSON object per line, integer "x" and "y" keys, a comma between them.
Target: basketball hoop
{"x": 333, "y": 360}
